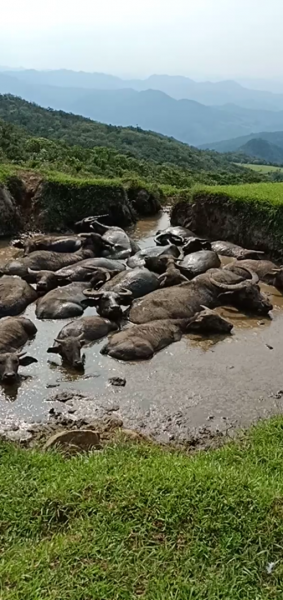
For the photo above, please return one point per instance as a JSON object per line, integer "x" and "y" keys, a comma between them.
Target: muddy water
{"x": 194, "y": 386}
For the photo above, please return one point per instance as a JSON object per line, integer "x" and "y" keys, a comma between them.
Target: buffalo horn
{"x": 125, "y": 293}
{"x": 237, "y": 286}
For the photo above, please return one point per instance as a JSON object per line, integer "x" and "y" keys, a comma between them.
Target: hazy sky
{"x": 225, "y": 38}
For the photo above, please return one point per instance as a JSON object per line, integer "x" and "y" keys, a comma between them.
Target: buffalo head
{"x": 196, "y": 244}
{"x": 109, "y": 303}
{"x": 162, "y": 239}
{"x": 10, "y": 363}
{"x": 70, "y": 350}
{"x": 245, "y": 295}
{"x": 47, "y": 280}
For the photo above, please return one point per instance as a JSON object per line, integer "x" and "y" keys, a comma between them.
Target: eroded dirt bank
{"x": 191, "y": 391}
{"x": 31, "y": 202}
{"x": 256, "y": 226}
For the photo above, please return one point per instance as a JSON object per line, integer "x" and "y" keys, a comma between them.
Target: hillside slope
{"x": 78, "y": 145}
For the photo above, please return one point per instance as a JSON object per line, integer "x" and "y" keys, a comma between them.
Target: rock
{"x": 117, "y": 381}
{"x": 66, "y": 395}
{"x": 78, "y": 440}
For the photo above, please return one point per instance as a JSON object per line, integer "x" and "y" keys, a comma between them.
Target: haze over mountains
{"x": 193, "y": 112}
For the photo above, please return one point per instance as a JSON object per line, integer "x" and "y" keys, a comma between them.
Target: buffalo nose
{"x": 78, "y": 364}
{"x": 9, "y": 376}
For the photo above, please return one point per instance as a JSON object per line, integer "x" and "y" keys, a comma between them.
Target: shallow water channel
{"x": 193, "y": 387}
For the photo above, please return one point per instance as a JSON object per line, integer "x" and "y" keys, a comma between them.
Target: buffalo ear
{"x": 53, "y": 350}
{"x": 25, "y": 361}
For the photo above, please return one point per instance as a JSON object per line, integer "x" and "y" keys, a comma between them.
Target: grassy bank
{"x": 139, "y": 521}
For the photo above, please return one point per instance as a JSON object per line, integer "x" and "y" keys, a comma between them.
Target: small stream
{"x": 192, "y": 386}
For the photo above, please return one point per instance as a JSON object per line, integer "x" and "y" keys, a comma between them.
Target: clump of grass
{"x": 140, "y": 521}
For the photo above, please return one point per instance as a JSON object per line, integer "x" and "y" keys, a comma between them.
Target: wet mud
{"x": 198, "y": 387}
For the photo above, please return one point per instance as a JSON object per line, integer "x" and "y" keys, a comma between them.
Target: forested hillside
{"x": 83, "y": 147}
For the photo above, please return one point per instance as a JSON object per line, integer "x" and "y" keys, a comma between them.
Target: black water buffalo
{"x": 66, "y": 243}
{"x": 108, "y": 304}
{"x": 216, "y": 287}
{"x": 139, "y": 259}
{"x": 43, "y": 260}
{"x": 140, "y": 342}
{"x": 173, "y": 235}
{"x": 14, "y": 333}
{"x": 266, "y": 271}
{"x": 195, "y": 244}
{"x": 198, "y": 263}
{"x": 234, "y": 251}
{"x": 83, "y": 270}
{"x": 78, "y": 333}
{"x": 15, "y": 295}
{"x": 63, "y": 302}
{"x": 122, "y": 245}
{"x": 137, "y": 283}
{"x": 172, "y": 275}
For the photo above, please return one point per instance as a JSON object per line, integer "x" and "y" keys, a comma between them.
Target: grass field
{"x": 269, "y": 193}
{"x": 139, "y": 521}
{"x": 261, "y": 168}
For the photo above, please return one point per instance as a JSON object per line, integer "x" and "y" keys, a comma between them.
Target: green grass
{"x": 138, "y": 521}
{"x": 269, "y": 193}
{"x": 261, "y": 168}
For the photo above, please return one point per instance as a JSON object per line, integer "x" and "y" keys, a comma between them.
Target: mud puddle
{"x": 194, "y": 387}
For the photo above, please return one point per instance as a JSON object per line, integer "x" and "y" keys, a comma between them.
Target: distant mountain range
{"x": 274, "y": 138}
{"x": 186, "y": 120}
{"x": 180, "y": 88}
{"x": 263, "y": 150}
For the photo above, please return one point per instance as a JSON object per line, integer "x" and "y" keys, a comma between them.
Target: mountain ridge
{"x": 186, "y": 120}
{"x": 176, "y": 86}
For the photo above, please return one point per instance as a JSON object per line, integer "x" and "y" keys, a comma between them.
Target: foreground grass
{"x": 139, "y": 521}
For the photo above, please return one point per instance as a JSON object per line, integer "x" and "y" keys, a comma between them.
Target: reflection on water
{"x": 42, "y": 380}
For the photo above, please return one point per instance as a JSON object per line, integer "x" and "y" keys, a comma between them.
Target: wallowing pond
{"x": 195, "y": 385}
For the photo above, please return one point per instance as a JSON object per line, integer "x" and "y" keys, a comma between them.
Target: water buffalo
{"x": 266, "y": 271}
{"x": 198, "y": 263}
{"x": 44, "y": 260}
{"x": 139, "y": 259}
{"x": 123, "y": 245}
{"x": 173, "y": 235}
{"x": 137, "y": 282}
{"x": 234, "y": 251}
{"x": 14, "y": 333}
{"x": 54, "y": 243}
{"x": 211, "y": 289}
{"x": 76, "y": 334}
{"x": 15, "y": 295}
{"x": 195, "y": 244}
{"x": 172, "y": 275}
{"x": 81, "y": 271}
{"x": 108, "y": 304}
{"x": 62, "y": 303}
{"x": 140, "y": 342}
